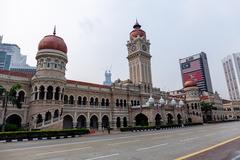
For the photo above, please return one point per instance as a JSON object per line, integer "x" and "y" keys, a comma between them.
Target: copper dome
{"x": 190, "y": 83}
{"x": 53, "y": 42}
{"x": 137, "y": 31}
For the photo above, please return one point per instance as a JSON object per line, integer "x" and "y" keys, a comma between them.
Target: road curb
{"x": 38, "y": 139}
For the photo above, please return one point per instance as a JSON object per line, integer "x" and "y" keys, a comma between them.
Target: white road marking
{"x": 155, "y": 138}
{"x": 113, "y": 144}
{"x": 110, "y": 155}
{"x": 156, "y": 146}
{"x": 207, "y": 135}
{"x": 69, "y": 150}
{"x": 189, "y": 139}
{"x": 185, "y": 133}
{"x": 82, "y": 142}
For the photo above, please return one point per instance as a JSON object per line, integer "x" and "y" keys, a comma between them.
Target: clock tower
{"x": 139, "y": 58}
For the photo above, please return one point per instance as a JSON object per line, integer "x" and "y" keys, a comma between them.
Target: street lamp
{"x": 161, "y": 103}
{"x": 173, "y": 103}
{"x": 180, "y": 105}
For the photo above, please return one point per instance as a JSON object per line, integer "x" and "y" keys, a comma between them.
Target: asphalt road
{"x": 148, "y": 145}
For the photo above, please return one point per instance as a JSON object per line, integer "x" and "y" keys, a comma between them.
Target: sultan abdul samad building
{"x": 50, "y": 101}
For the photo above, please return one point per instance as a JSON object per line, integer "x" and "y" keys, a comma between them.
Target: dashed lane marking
{"x": 106, "y": 156}
{"x": 62, "y": 151}
{"x": 113, "y": 144}
{"x": 189, "y": 139}
{"x": 151, "y": 147}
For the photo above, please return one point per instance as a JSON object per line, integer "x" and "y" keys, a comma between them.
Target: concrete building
{"x": 5, "y": 60}
{"x": 17, "y": 60}
{"x": 51, "y": 101}
{"x": 108, "y": 79}
{"x": 196, "y": 67}
{"x": 231, "y": 66}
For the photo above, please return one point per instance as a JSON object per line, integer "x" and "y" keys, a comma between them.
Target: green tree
{"x": 7, "y": 96}
{"x": 207, "y": 108}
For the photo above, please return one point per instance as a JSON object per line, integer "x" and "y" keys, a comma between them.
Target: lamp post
{"x": 173, "y": 103}
{"x": 161, "y": 103}
{"x": 180, "y": 105}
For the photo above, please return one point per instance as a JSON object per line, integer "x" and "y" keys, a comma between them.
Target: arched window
{"x": 39, "y": 118}
{"x": 135, "y": 103}
{"x": 79, "y": 102}
{"x": 41, "y": 94}
{"x": 49, "y": 92}
{"x": 48, "y": 63}
{"x": 138, "y": 103}
{"x": 84, "y": 101}
{"x": 103, "y": 102}
{"x": 96, "y": 101}
{"x": 71, "y": 100}
{"x": 192, "y": 105}
{"x": 117, "y": 102}
{"x": 65, "y": 99}
{"x": 57, "y": 93}
{"x": 91, "y": 101}
{"x": 131, "y": 102}
{"x": 48, "y": 116}
{"x": 56, "y": 64}
{"x": 35, "y": 93}
{"x": 107, "y": 102}
{"x": 121, "y": 102}
{"x": 195, "y": 105}
{"x": 124, "y": 103}
{"x": 21, "y": 96}
{"x": 56, "y": 113}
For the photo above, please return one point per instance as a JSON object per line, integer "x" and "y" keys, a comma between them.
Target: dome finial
{"x": 54, "y": 30}
{"x": 136, "y": 25}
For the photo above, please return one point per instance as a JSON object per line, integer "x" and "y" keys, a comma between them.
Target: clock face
{"x": 144, "y": 47}
{"x": 133, "y": 48}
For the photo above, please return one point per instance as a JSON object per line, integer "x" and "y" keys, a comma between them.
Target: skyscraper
{"x": 231, "y": 66}
{"x": 13, "y": 59}
{"x": 196, "y": 68}
{"x": 5, "y": 60}
{"x": 108, "y": 80}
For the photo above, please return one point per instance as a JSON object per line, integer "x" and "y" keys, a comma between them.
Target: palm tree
{"x": 9, "y": 96}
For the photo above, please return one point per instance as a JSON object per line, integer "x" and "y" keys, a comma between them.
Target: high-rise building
{"x": 196, "y": 68}
{"x": 231, "y": 66}
{"x": 108, "y": 80}
{"x": 5, "y": 60}
{"x": 17, "y": 60}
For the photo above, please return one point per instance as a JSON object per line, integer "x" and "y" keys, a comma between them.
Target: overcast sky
{"x": 96, "y": 32}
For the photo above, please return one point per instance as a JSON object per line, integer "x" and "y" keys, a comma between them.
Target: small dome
{"x": 137, "y": 31}
{"x": 150, "y": 101}
{"x": 190, "y": 83}
{"x": 53, "y": 42}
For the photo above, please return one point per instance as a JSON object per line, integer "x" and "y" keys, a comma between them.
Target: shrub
{"x": 41, "y": 134}
{"x": 139, "y": 128}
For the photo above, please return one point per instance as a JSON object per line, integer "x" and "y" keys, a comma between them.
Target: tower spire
{"x": 136, "y": 25}
{"x": 54, "y": 30}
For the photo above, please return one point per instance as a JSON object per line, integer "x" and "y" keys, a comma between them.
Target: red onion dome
{"x": 53, "y": 42}
{"x": 190, "y": 83}
{"x": 137, "y": 31}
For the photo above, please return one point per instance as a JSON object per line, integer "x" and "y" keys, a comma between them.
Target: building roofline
{"x": 15, "y": 73}
{"x": 87, "y": 84}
